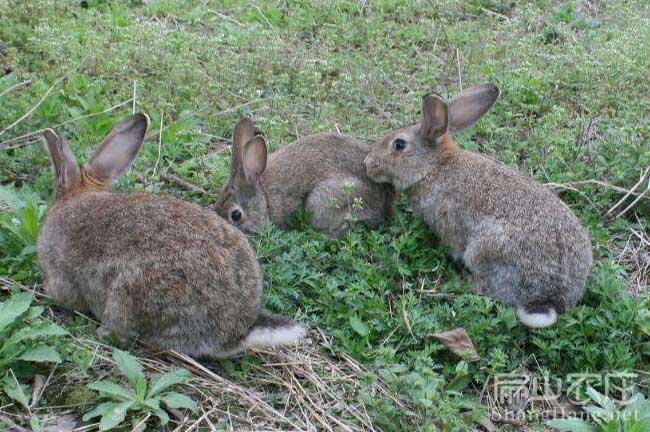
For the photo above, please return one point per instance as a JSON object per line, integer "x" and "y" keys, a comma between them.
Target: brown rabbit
{"x": 523, "y": 245}
{"x": 168, "y": 271}
{"x": 322, "y": 174}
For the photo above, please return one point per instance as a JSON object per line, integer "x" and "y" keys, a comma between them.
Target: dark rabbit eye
{"x": 399, "y": 144}
{"x": 236, "y": 215}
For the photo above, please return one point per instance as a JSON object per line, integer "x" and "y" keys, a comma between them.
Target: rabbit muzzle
{"x": 373, "y": 169}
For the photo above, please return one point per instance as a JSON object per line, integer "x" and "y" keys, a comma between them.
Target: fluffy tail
{"x": 538, "y": 316}
{"x": 273, "y": 330}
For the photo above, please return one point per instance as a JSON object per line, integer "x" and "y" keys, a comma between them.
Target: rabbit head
{"x": 406, "y": 155}
{"x": 111, "y": 159}
{"x": 243, "y": 201}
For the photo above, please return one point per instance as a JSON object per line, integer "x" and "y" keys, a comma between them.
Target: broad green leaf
{"x": 154, "y": 405}
{"x": 639, "y": 405}
{"x": 36, "y": 330}
{"x": 598, "y": 412}
{"x": 114, "y": 416}
{"x": 168, "y": 380}
{"x": 612, "y": 426}
{"x": 571, "y": 425}
{"x": 34, "y": 312}
{"x": 602, "y": 400}
{"x": 178, "y": 400}
{"x": 635, "y": 403}
{"x": 359, "y": 326}
{"x": 41, "y": 353}
{"x": 30, "y": 223}
{"x": 141, "y": 388}
{"x": 16, "y": 391}
{"x": 111, "y": 389}
{"x": 98, "y": 410}
{"x": 14, "y": 308}
{"x": 128, "y": 365}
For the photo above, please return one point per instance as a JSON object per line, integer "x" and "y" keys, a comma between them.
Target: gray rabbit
{"x": 322, "y": 174}
{"x": 523, "y": 245}
{"x": 166, "y": 270}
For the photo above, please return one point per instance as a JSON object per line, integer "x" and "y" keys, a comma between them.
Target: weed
{"x": 20, "y": 215}
{"x": 140, "y": 397}
{"x": 25, "y": 339}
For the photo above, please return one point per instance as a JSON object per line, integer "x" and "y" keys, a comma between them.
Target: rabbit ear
{"x": 119, "y": 148}
{"x": 66, "y": 170}
{"x": 435, "y": 116}
{"x": 241, "y": 135}
{"x": 254, "y": 158}
{"x": 470, "y": 105}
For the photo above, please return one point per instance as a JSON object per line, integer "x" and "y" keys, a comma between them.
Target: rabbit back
{"x": 317, "y": 165}
{"x": 167, "y": 270}
{"x": 523, "y": 244}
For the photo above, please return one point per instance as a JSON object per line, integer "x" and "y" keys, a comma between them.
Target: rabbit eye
{"x": 236, "y": 215}
{"x": 399, "y": 144}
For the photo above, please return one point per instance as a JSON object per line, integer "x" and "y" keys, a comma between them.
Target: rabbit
{"x": 322, "y": 174}
{"x": 166, "y": 270}
{"x": 523, "y": 245}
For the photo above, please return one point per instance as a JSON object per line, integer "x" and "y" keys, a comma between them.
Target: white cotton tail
{"x": 537, "y": 319}
{"x": 273, "y": 330}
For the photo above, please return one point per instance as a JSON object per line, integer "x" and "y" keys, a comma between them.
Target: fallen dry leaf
{"x": 459, "y": 343}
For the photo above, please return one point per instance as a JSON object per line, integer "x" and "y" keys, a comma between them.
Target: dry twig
{"x": 16, "y": 87}
{"x": 35, "y": 134}
{"x": 187, "y": 185}
{"x": 43, "y": 98}
{"x": 35, "y": 107}
{"x": 642, "y": 179}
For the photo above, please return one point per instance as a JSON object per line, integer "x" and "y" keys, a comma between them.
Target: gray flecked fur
{"x": 523, "y": 245}
{"x": 165, "y": 270}
{"x": 322, "y": 174}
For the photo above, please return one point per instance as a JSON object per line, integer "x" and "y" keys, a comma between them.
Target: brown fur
{"x": 523, "y": 245}
{"x": 309, "y": 174}
{"x": 159, "y": 268}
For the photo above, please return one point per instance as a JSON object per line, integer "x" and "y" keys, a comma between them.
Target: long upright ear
{"x": 435, "y": 116}
{"x": 66, "y": 170}
{"x": 470, "y": 105}
{"x": 254, "y": 158}
{"x": 241, "y": 135}
{"x": 119, "y": 148}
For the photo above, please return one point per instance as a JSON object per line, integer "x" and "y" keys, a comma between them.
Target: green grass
{"x": 574, "y": 107}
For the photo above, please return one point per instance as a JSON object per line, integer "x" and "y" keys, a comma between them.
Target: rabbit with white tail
{"x": 523, "y": 245}
{"x": 168, "y": 271}
{"x": 322, "y": 174}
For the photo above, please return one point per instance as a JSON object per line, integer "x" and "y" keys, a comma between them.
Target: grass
{"x": 573, "y": 114}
